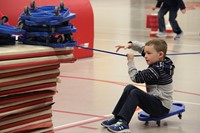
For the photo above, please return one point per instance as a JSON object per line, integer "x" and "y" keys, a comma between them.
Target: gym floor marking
{"x": 97, "y": 118}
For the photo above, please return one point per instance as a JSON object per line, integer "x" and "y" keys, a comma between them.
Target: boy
{"x": 171, "y": 6}
{"x": 158, "y": 78}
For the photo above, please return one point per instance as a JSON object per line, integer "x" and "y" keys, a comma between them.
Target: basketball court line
{"x": 122, "y": 83}
{"x": 95, "y": 118}
{"x": 81, "y": 123}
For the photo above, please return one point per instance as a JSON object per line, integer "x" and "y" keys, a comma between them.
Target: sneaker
{"x": 178, "y": 36}
{"x": 109, "y": 122}
{"x": 119, "y": 127}
{"x": 161, "y": 34}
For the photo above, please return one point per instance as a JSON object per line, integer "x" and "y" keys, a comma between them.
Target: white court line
{"x": 81, "y": 122}
{"x": 78, "y": 123}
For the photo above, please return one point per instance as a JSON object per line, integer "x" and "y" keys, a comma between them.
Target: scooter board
{"x": 177, "y": 109}
{"x": 51, "y": 9}
{"x": 43, "y": 17}
{"x": 48, "y": 28}
{"x": 7, "y": 40}
{"x": 64, "y": 30}
{"x": 54, "y": 45}
{"x": 45, "y": 13}
{"x": 47, "y": 21}
{"x": 8, "y": 29}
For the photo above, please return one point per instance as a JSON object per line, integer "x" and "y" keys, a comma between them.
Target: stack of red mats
{"x": 28, "y": 78}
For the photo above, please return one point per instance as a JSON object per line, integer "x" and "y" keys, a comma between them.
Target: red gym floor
{"x": 90, "y": 87}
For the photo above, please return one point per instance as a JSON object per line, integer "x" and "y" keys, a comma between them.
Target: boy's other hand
{"x": 125, "y": 46}
{"x": 130, "y": 56}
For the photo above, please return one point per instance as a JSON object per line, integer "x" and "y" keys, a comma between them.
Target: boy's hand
{"x": 130, "y": 56}
{"x": 183, "y": 11}
{"x": 125, "y": 46}
{"x": 154, "y": 8}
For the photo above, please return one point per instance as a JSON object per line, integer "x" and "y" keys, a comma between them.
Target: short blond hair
{"x": 159, "y": 45}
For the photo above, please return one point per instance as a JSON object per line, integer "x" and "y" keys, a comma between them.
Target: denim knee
{"x": 136, "y": 92}
{"x": 129, "y": 88}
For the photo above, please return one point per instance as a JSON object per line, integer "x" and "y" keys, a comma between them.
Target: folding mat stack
{"x": 28, "y": 73}
{"x": 28, "y": 78}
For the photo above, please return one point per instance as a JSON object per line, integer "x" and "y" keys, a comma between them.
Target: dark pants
{"x": 133, "y": 97}
{"x": 172, "y": 19}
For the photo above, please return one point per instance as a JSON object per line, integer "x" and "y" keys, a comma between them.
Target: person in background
{"x": 157, "y": 99}
{"x": 171, "y": 6}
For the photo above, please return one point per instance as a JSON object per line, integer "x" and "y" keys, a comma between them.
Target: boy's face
{"x": 151, "y": 55}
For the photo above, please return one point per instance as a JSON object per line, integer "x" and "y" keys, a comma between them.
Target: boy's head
{"x": 155, "y": 50}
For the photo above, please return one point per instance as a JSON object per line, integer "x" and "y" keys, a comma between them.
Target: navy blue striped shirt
{"x": 159, "y": 73}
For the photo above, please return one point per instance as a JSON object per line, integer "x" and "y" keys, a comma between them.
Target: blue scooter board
{"x": 6, "y": 32}
{"x": 49, "y": 28}
{"x": 49, "y": 10}
{"x": 53, "y": 45}
{"x": 33, "y": 22}
{"x": 64, "y": 30}
{"x": 7, "y": 40}
{"x": 177, "y": 109}
{"x": 46, "y": 15}
{"x": 10, "y": 30}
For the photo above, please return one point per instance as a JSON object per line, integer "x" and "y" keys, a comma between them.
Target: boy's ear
{"x": 161, "y": 54}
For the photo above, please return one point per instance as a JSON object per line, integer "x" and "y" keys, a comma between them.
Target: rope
{"x": 114, "y": 53}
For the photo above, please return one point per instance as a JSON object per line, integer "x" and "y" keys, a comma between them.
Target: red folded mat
{"x": 29, "y": 77}
{"x": 38, "y": 61}
{"x": 36, "y": 120}
{"x": 15, "y": 72}
{"x": 29, "y": 124}
{"x": 33, "y": 88}
{"x": 24, "y": 97}
{"x": 23, "y": 114}
{"x": 27, "y": 106}
{"x": 10, "y": 52}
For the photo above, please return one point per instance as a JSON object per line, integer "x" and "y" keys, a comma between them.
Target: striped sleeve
{"x": 144, "y": 76}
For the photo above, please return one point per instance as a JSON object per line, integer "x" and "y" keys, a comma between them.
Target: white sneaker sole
{"x": 161, "y": 36}
{"x": 123, "y": 131}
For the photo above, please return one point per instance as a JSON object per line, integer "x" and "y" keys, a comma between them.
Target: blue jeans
{"x": 133, "y": 97}
{"x": 172, "y": 19}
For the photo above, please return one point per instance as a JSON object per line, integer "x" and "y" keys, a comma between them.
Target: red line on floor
{"x": 99, "y": 118}
{"x": 77, "y": 125}
{"x": 75, "y": 113}
{"x": 83, "y": 114}
{"x": 92, "y": 128}
{"x": 122, "y": 83}
{"x": 100, "y": 80}
{"x": 187, "y": 92}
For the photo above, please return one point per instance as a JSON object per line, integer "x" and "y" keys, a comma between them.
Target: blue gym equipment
{"x": 7, "y": 32}
{"x": 47, "y": 26}
{"x": 177, "y": 109}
